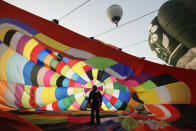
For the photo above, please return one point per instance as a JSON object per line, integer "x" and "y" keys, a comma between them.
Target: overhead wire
{"x": 133, "y": 44}
{"x": 125, "y": 23}
{"x": 73, "y": 10}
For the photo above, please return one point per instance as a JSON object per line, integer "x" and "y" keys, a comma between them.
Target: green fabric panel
{"x": 189, "y": 4}
{"x": 169, "y": 51}
{"x": 26, "y": 96}
{"x": 65, "y": 69}
{"x": 178, "y": 20}
{"x": 53, "y": 79}
{"x": 100, "y": 62}
{"x": 128, "y": 123}
{"x": 109, "y": 91}
{"x": 148, "y": 85}
{"x": 107, "y": 81}
{"x": 68, "y": 101}
{"x": 53, "y": 63}
{"x": 78, "y": 90}
{"x": 118, "y": 86}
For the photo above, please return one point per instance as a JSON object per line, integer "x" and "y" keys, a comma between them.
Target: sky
{"x": 90, "y": 20}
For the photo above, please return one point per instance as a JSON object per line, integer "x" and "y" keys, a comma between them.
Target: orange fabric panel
{"x": 3, "y": 104}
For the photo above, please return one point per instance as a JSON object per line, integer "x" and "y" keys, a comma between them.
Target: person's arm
{"x": 100, "y": 96}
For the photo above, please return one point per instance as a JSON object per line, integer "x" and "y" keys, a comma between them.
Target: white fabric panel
{"x": 40, "y": 76}
{"x": 164, "y": 95}
{"x": 14, "y": 41}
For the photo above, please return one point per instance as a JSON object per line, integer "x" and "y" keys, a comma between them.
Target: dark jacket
{"x": 95, "y": 98}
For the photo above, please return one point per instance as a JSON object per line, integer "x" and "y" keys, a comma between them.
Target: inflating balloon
{"x": 48, "y": 69}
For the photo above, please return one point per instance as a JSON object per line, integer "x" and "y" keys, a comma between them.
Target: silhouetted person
{"x": 95, "y": 100}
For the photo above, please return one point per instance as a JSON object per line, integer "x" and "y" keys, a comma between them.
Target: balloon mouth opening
{"x": 115, "y": 20}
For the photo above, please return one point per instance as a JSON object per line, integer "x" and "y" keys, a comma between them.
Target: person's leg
{"x": 97, "y": 115}
{"x": 92, "y": 115}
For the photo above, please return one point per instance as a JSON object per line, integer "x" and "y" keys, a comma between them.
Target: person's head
{"x": 94, "y": 88}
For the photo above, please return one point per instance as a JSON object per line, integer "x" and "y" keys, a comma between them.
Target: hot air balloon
{"x": 172, "y": 38}
{"x": 114, "y": 13}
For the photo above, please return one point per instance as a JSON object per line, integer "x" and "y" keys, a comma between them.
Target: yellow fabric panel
{"x": 26, "y": 97}
{"x": 72, "y": 108}
{"x": 51, "y": 42}
{"x": 78, "y": 68}
{"x": 104, "y": 107}
{"x": 3, "y": 104}
{"x": 138, "y": 89}
{"x": 48, "y": 95}
{"x": 149, "y": 97}
{"x": 180, "y": 93}
{"x": 95, "y": 73}
{"x": 133, "y": 103}
{"x": 3, "y": 63}
{"x": 30, "y": 45}
{"x": 88, "y": 85}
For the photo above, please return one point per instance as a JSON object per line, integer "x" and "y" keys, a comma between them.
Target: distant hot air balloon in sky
{"x": 114, "y": 13}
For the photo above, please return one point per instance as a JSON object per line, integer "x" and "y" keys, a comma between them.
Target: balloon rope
{"x": 125, "y": 24}
{"x": 73, "y": 10}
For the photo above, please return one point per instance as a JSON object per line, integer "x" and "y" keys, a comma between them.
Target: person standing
{"x": 95, "y": 101}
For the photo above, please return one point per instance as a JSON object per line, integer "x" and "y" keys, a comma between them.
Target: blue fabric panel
{"x": 118, "y": 104}
{"x": 74, "y": 77}
{"x": 0, "y": 42}
{"x": 61, "y": 92}
{"x": 104, "y": 76}
{"x": 80, "y": 80}
{"x": 38, "y": 109}
{"x": 65, "y": 82}
{"x": 19, "y": 24}
{"x": 123, "y": 70}
{"x": 61, "y": 105}
{"x": 84, "y": 104}
{"x": 124, "y": 96}
{"x": 104, "y": 99}
{"x": 41, "y": 56}
{"x": 47, "y": 50}
{"x": 109, "y": 105}
{"x": 27, "y": 72}
{"x": 66, "y": 60}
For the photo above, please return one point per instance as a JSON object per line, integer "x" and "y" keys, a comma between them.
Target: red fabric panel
{"x": 43, "y": 108}
{"x": 11, "y": 122}
{"x": 71, "y": 62}
{"x": 35, "y": 52}
{"x": 175, "y": 114}
{"x": 113, "y": 100}
{"x": 59, "y": 66}
{"x": 32, "y": 100}
{"x": 55, "y": 106}
{"x": 71, "y": 83}
{"x": 87, "y": 68}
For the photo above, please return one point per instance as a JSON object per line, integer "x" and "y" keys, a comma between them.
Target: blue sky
{"x": 90, "y": 20}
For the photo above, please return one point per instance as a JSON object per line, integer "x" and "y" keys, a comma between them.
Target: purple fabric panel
{"x": 18, "y": 95}
{"x": 141, "y": 78}
{"x": 21, "y": 44}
